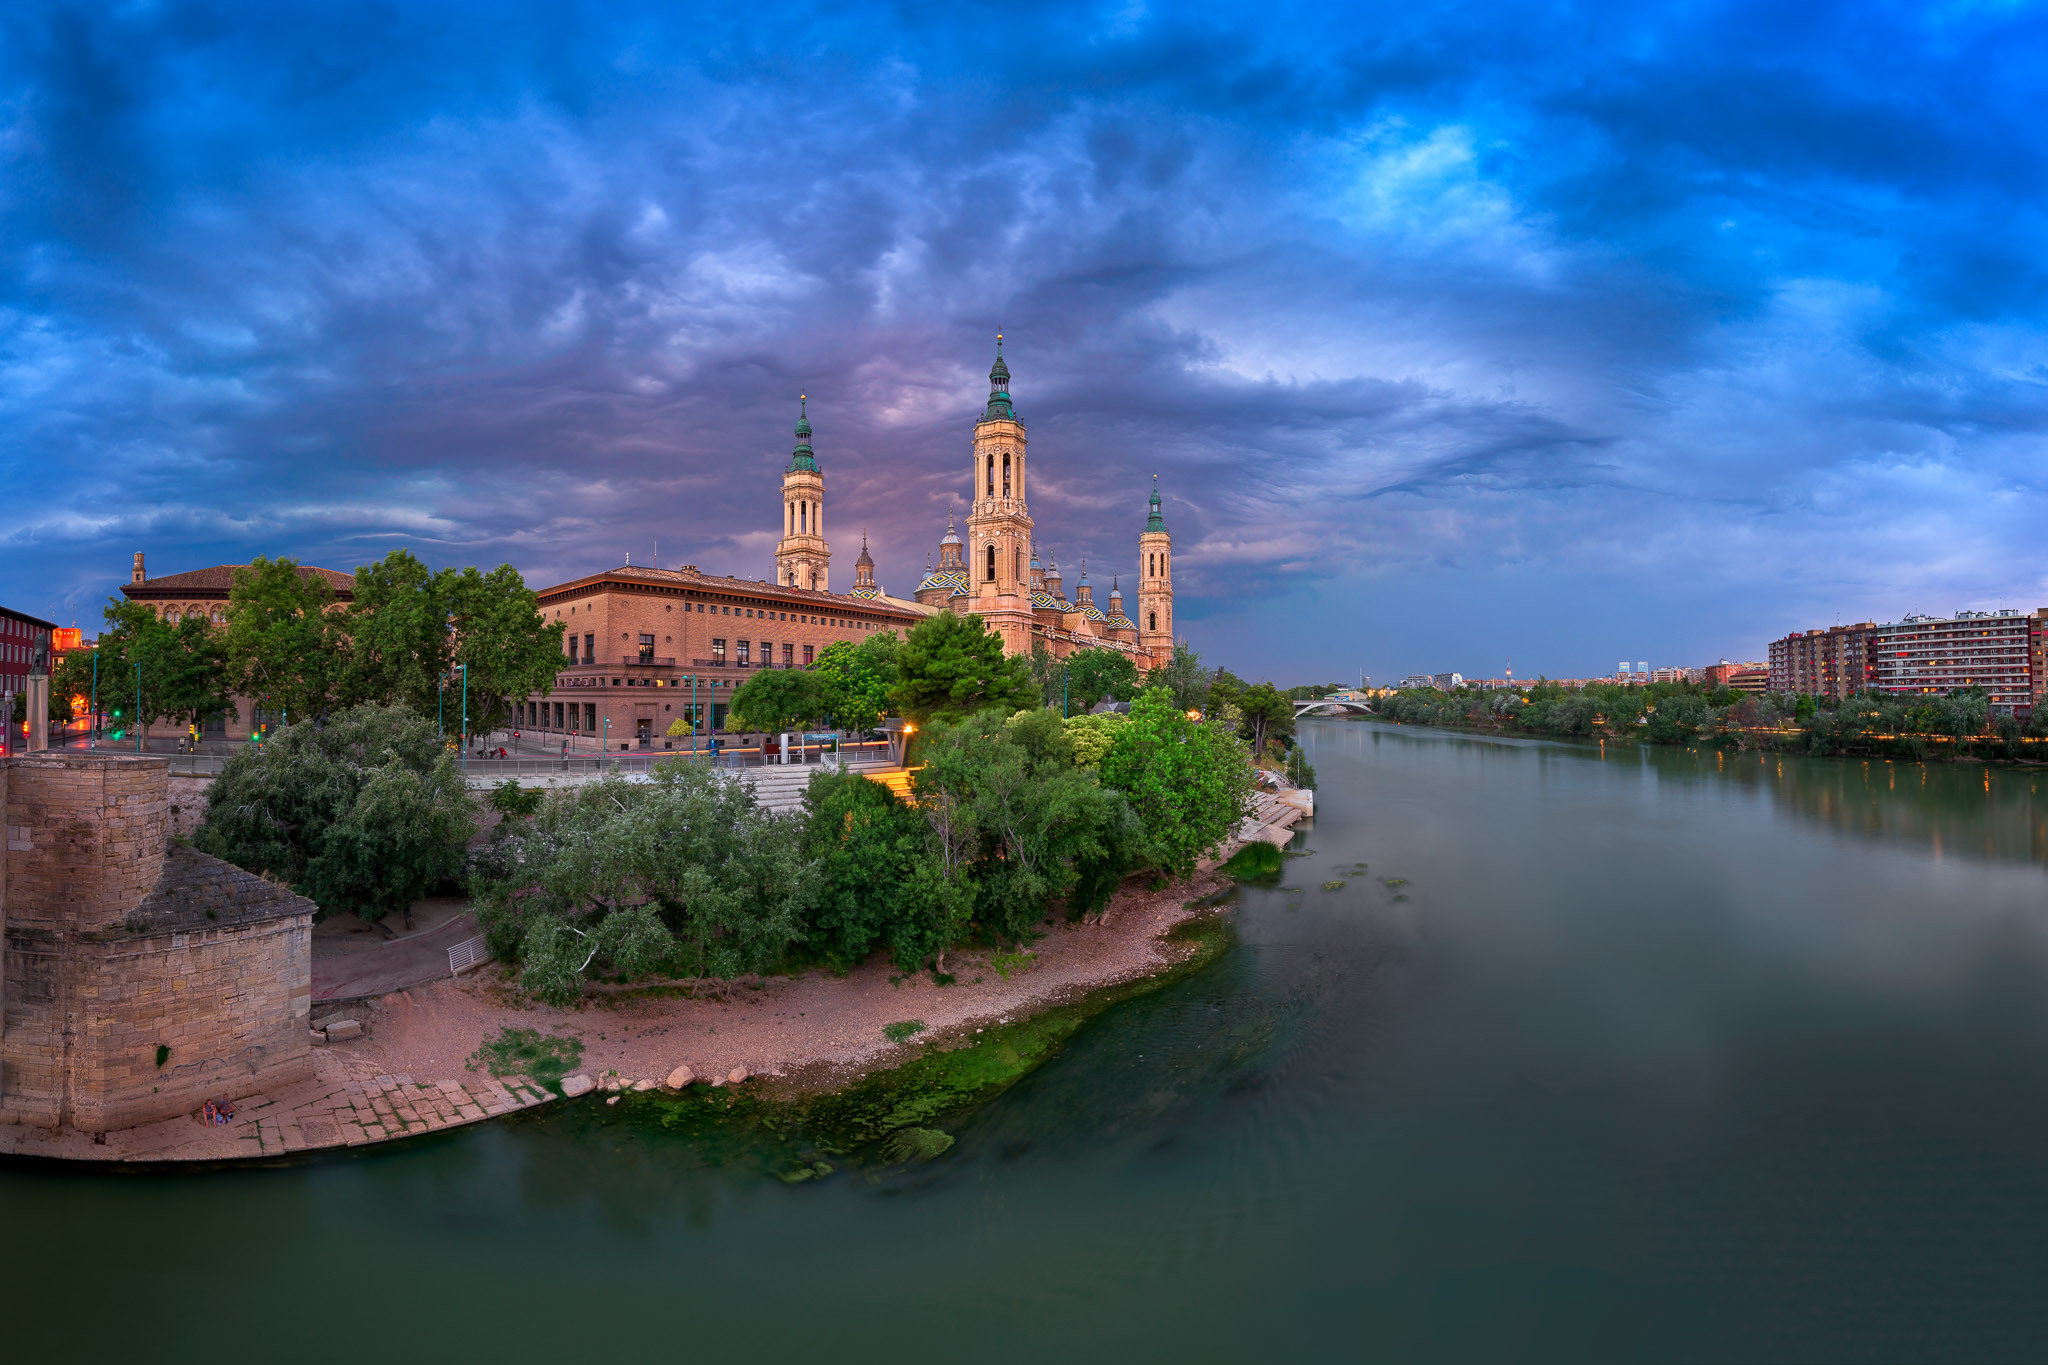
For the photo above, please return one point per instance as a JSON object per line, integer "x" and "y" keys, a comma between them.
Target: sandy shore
{"x": 827, "y": 1027}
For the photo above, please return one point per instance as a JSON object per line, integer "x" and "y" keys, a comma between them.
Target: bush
{"x": 685, "y": 874}
{"x": 1091, "y": 737}
{"x": 364, "y": 813}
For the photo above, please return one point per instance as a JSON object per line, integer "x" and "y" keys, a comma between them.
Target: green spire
{"x": 999, "y": 388}
{"x": 801, "y": 457}
{"x": 1155, "y": 522}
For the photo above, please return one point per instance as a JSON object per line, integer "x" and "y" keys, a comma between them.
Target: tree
{"x": 1190, "y": 784}
{"x": 399, "y": 644}
{"x": 181, "y": 676}
{"x": 1268, "y": 718}
{"x": 1091, "y": 737}
{"x": 281, "y": 646}
{"x": 1049, "y": 673}
{"x": 1100, "y": 674}
{"x": 951, "y": 667}
{"x": 780, "y": 699}
{"x": 509, "y": 649}
{"x": 1014, "y": 817}
{"x": 878, "y": 875}
{"x": 1184, "y": 678}
{"x": 1226, "y": 689}
{"x": 858, "y": 678}
{"x": 365, "y": 813}
{"x": 685, "y": 873}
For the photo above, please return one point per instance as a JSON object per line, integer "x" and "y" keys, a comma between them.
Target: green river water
{"x": 1653, "y": 1055}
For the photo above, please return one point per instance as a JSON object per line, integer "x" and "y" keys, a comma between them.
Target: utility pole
{"x": 94, "y": 742}
{"x": 465, "y": 718}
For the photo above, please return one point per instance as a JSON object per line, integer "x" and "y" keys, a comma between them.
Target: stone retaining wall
{"x": 115, "y": 946}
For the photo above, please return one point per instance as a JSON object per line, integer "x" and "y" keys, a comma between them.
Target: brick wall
{"x": 113, "y": 945}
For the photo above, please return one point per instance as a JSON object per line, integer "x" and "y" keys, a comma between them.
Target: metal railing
{"x": 490, "y": 771}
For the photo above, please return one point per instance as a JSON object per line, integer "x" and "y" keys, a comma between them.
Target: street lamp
{"x": 465, "y": 718}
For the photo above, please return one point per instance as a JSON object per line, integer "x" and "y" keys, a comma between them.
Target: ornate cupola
{"x": 803, "y": 558}
{"x": 864, "y": 584}
{"x": 999, "y": 405}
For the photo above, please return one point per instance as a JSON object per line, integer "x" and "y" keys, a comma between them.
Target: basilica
{"x": 995, "y": 572}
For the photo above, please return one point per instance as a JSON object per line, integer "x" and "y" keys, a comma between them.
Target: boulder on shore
{"x": 737, "y": 1074}
{"x": 342, "y": 1029}
{"x": 644, "y": 1085}
{"x": 578, "y": 1084}
{"x": 680, "y": 1077}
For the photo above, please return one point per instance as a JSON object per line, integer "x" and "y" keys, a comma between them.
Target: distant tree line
{"x": 1959, "y": 722}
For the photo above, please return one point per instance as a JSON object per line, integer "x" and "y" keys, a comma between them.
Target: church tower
{"x": 802, "y": 558}
{"x": 999, "y": 525}
{"x": 1155, "y": 585}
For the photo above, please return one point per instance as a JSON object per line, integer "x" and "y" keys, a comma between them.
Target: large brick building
{"x": 645, "y": 647}
{"x": 1999, "y": 651}
{"x": 1837, "y": 662}
{"x": 24, "y": 641}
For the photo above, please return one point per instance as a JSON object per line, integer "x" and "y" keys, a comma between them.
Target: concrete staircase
{"x": 780, "y": 788}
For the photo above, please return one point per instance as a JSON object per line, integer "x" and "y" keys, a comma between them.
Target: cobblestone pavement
{"x": 340, "y": 1107}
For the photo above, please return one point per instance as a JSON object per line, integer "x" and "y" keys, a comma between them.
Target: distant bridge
{"x": 1329, "y": 707}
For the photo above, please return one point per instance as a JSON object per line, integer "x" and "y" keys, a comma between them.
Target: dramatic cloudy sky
{"x": 1456, "y": 332}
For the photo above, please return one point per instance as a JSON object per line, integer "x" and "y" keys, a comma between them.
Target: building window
{"x": 743, "y": 651}
{"x": 558, "y": 717}
{"x": 767, "y": 654}
{"x": 646, "y": 649}
{"x": 1006, "y": 473}
{"x": 590, "y": 649}
{"x": 1152, "y": 618}
{"x": 991, "y": 564}
{"x": 590, "y": 716}
{"x": 807, "y": 656}
{"x": 718, "y": 651}
{"x": 789, "y": 656}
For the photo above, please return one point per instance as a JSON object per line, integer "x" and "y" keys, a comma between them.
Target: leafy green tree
{"x": 1300, "y": 771}
{"x": 878, "y": 875}
{"x": 1011, "y": 812}
{"x": 1268, "y": 718}
{"x": 1098, "y": 675}
{"x": 1190, "y": 783}
{"x": 1091, "y": 737}
{"x": 951, "y": 667}
{"x": 858, "y": 679}
{"x": 182, "y": 674}
{"x": 780, "y": 699}
{"x": 399, "y": 642}
{"x": 509, "y": 649}
{"x": 1049, "y": 673}
{"x": 683, "y": 874}
{"x": 1184, "y": 678}
{"x": 365, "y": 813}
{"x": 282, "y": 646}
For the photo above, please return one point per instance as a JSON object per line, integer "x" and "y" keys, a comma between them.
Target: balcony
{"x": 646, "y": 661}
{"x": 741, "y": 663}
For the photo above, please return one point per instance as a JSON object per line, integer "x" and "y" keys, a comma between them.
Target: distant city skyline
{"x": 1482, "y": 321}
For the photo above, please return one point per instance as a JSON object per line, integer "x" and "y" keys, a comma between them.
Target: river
{"x": 1605, "y": 1054}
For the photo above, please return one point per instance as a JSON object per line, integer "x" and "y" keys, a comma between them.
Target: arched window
{"x": 1006, "y": 473}
{"x": 991, "y": 556}
{"x": 1152, "y": 620}
{"x": 991, "y": 480}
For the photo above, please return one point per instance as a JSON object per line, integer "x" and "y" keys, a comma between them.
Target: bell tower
{"x": 1155, "y": 585}
{"x": 802, "y": 557}
{"x": 999, "y": 524}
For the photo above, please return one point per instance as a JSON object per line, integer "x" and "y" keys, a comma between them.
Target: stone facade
{"x": 997, "y": 574}
{"x": 642, "y": 647}
{"x": 137, "y": 979}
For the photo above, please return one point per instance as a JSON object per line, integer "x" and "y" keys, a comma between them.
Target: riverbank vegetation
{"x": 687, "y": 877}
{"x": 1960, "y": 724}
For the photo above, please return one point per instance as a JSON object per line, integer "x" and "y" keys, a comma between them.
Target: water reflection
{"x": 1951, "y": 809}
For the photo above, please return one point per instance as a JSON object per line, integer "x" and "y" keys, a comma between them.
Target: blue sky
{"x": 1457, "y": 333}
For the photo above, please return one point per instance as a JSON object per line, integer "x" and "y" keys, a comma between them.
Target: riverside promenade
{"x": 348, "y": 1103}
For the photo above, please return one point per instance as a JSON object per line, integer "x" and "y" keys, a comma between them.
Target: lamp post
{"x": 138, "y": 706}
{"x": 94, "y": 742}
{"x": 465, "y": 718}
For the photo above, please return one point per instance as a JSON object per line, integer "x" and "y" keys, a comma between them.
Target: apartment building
{"x": 1999, "y": 651}
{"x": 1837, "y": 662}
